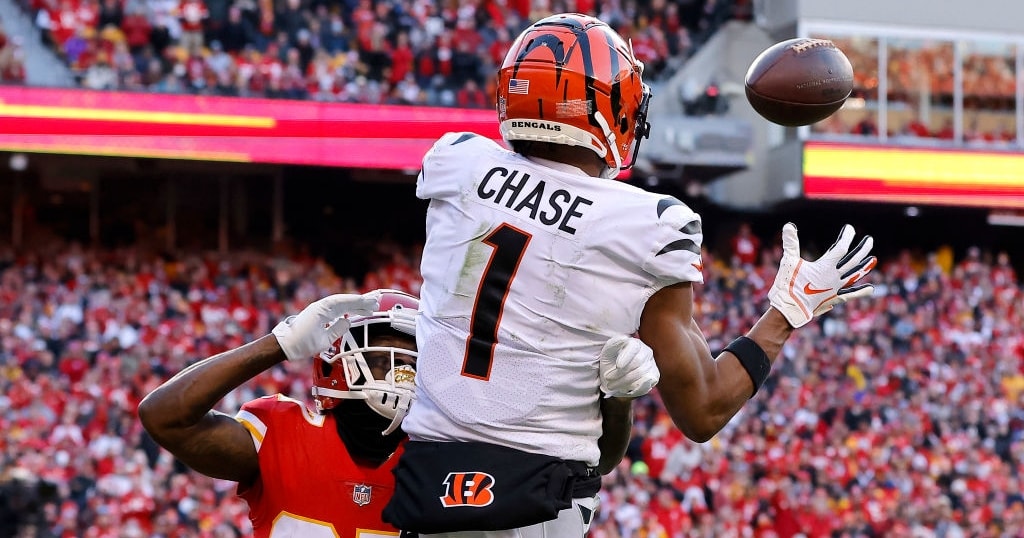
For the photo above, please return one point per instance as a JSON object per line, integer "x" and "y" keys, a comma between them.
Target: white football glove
{"x": 320, "y": 324}
{"x": 804, "y": 289}
{"x": 627, "y": 368}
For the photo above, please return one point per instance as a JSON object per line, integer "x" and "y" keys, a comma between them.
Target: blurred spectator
{"x": 110, "y": 14}
{"x": 443, "y": 46}
{"x": 100, "y": 75}
{"x": 12, "y": 67}
{"x": 401, "y": 59}
{"x": 193, "y": 15}
{"x": 471, "y": 96}
{"x": 236, "y": 33}
{"x": 915, "y": 127}
{"x": 867, "y": 125}
{"x": 746, "y": 247}
{"x": 136, "y": 28}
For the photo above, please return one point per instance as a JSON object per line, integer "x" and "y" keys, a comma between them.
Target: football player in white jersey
{"x": 534, "y": 258}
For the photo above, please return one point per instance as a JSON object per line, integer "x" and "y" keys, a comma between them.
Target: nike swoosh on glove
{"x": 627, "y": 368}
{"x": 321, "y": 323}
{"x": 806, "y": 289}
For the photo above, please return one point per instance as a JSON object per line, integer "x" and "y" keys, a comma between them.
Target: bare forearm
{"x": 701, "y": 392}
{"x": 734, "y": 385}
{"x": 179, "y": 415}
{"x": 616, "y": 427}
{"x": 186, "y": 398}
{"x": 771, "y": 332}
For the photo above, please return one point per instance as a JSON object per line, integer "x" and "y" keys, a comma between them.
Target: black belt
{"x": 585, "y": 481}
{"x": 584, "y": 487}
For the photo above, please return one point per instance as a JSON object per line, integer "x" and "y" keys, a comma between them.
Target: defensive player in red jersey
{"x": 327, "y": 472}
{"x": 303, "y": 472}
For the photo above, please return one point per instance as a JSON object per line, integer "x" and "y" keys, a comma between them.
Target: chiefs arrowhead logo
{"x": 468, "y": 489}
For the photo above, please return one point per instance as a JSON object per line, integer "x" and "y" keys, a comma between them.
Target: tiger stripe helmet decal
{"x": 570, "y": 79}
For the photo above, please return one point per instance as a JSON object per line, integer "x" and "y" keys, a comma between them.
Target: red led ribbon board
{"x": 913, "y": 175}
{"x": 228, "y": 129}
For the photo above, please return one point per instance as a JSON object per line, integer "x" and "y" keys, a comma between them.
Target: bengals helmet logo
{"x": 468, "y": 489}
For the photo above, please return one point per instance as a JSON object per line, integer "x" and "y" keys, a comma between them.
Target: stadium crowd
{"x": 900, "y": 416}
{"x": 926, "y": 67}
{"x": 368, "y": 51}
{"x": 86, "y": 334}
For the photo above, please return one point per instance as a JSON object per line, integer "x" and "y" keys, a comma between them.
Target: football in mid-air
{"x": 799, "y": 82}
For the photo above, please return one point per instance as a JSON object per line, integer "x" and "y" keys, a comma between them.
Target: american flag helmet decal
{"x": 519, "y": 85}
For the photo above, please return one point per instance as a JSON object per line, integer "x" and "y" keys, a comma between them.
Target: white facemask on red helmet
{"x": 343, "y": 372}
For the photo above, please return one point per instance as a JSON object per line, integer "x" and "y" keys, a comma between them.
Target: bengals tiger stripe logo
{"x": 468, "y": 489}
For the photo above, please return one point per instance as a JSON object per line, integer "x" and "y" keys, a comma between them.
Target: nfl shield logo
{"x": 361, "y": 494}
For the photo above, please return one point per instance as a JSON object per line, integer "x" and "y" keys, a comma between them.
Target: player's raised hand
{"x": 321, "y": 323}
{"x": 806, "y": 289}
{"x": 627, "y": 368}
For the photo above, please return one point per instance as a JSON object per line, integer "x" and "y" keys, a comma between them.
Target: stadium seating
{"x": 896, "y": 416}
{"x": 371, "y": 51}
{"x": 921, "y": 72}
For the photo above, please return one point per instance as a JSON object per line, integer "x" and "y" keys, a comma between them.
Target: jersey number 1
{"x": 509, "y": 244}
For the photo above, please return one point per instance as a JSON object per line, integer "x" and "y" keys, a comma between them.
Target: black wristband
{"x": 753, "y": 358}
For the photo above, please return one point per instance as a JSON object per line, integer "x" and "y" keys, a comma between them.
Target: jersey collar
{"x": 561, "y": 167}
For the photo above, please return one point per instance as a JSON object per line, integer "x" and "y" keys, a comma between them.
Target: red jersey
{"x": 308, "y": 485}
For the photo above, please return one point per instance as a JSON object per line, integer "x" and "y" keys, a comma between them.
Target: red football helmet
{"x": 343, "y": 372}
{"x": 570, "y": 79}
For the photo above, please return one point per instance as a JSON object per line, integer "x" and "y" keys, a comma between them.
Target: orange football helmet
{"x": 570, "y": 79}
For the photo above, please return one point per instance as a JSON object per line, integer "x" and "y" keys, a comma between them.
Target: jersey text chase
{"x": 514, "y": 190}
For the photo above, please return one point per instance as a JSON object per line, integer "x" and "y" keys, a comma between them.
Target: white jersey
{"x": 529, "y": 268}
